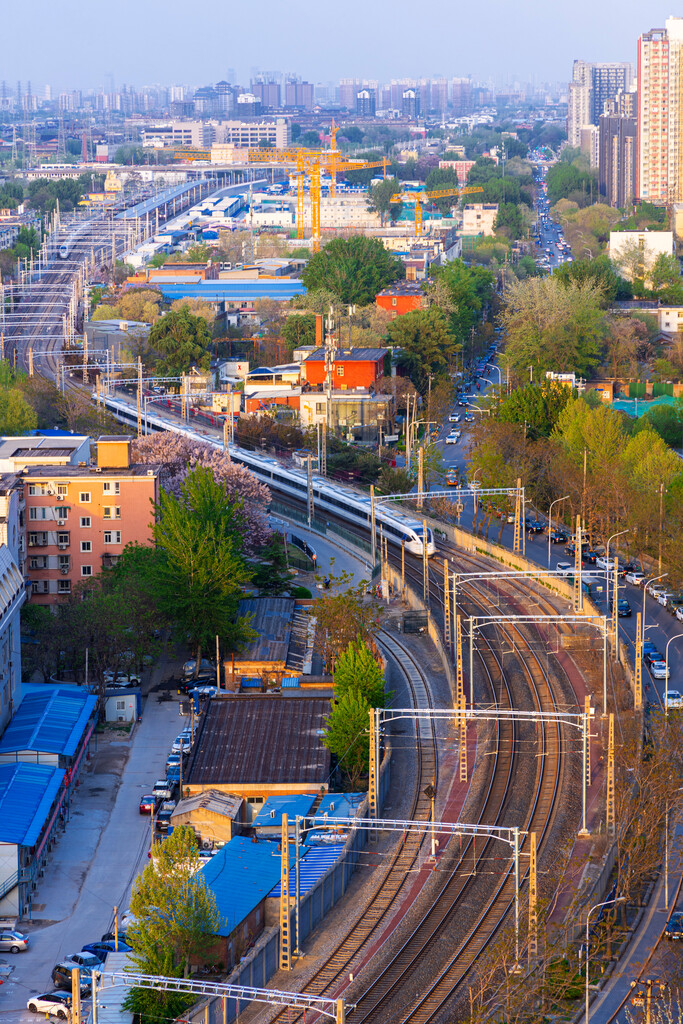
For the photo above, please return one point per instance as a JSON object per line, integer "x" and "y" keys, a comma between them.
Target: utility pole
{"x": 420, "y": 475}
{"x": 425, "y": 565}
{"x": 373, "y": 540}
{"x": 446, "y": 605}
{"x": 638, "y": 667}
{"x": 609, "y": 813}
{"x": 309, "y": 502}
{"x": 533, "y": 899}
{"x": 285, "y": 938}
{"x": 578, "y": 590}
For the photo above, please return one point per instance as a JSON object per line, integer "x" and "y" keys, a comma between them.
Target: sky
{"x": 74, "y": 44}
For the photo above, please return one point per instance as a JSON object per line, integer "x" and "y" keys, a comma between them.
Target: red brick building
{"x": 353, "y": 368}
{"x": 401, "y": 298}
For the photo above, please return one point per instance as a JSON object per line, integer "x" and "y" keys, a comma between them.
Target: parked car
{"x": 679, "y": 613}
{"x": 654, "y": 589}
{"x": 204, "y": 666}
{"x": 110, "y": 937}
{"x": 451, "y": 477}
{"x": 13, "y": 942}
{"x": 664, "y": 597}
{"x": 651, "y": 656}
{"x": 183, "y": 742}
{"x": 100, "y": 949}
{"x": 660, "y": 670}
{"x": 649, "y": 647}
{"x": 122, "y": 682}
{"x": 173, "y": 760}
{"x": 148, "y": 804}
{"x": 559, "y": 537}
{"x": 565, "y": 568}
{"x": 674, "y": 926}
{"x": 635, "y": 577}
{"x": 54, "y": 1004}
{"x": 173, "y": 774}
{"x": 85, "y": 960}
{"x": 164, "y": 815}
{"x": 534, "y": 525}
{"x": 602, "y": 562}
{"x": 673, "y": 699}
{"x": 62, "y": 973}
{"x": 163, "y": 790}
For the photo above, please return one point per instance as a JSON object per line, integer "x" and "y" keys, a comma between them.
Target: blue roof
{"x": 240, "y": 876}
{"x": 313, "y": 865}
{"x": 52, "y": 721}
{"x": 27, "y": 792}
{"x": 340, "y": 805}
{"x": 147, "y": 205}
{"x": 232, "y": 291}
{"x": 291, "y": 805}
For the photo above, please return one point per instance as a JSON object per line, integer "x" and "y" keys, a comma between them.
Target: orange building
{"x": 187, "y": 271}
{"x": 79, "y": 518}
{"x": 401, "y": 298}
{"x": 353, "y": 368}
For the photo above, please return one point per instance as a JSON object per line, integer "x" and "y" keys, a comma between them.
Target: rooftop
{"x": 349, "y": 355}
{"x": 241, "y": 875}
{"x": 262, "y": 739}
{"x": 52, "y": 721}
{"x": 27, "y": 792}
{"x": 271, "y": 618}
{"x": 211, "y": 800}
{"x": 270, "y": 815}
{"x": 232, "y": 291}
{"x": 69, "y": 471}
{"x": 404, "y": 287}
{"x": 315, "y": 862}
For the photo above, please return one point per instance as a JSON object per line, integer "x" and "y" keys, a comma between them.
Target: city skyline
{"x": 535, "y": 44}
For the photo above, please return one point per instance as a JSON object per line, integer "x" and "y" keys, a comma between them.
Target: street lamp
{"x": 646, "y": 584}
{"x": 619, "y": 899}
{"x": 550, "y": 521}
{"x": 614, "y": 596}
{"x": 492, "y": 366}
{"x": 666, "y": 672}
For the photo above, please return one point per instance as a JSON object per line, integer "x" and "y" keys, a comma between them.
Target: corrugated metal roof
{"x": 110, "y": 1003}
{"x": 262, "y": 739}
{"x": 316, "y": 860}
{"x": 27, "y": 792}
{"x": 52, "y": 722}
{"x": 291, "y": 805}
{"x": 340, "y": 805}
{"x": 240, "y": 876}
{"x": 210, "y": 800}
{"x": 271, "y": 618}
{"x": 349, "y": 355}
{"x": 232, "y": 291}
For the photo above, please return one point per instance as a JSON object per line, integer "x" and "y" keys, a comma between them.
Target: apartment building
{"x": 79, "y": 518}
{"x": 659, "y": 161}
{"x": 592, "y": 87}
{"x": 617, "y": 159}
{"x": 199, "y": 134}
{"x": 248, "y": 134}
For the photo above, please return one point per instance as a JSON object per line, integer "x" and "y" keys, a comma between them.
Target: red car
{"x": 148, "y": 804}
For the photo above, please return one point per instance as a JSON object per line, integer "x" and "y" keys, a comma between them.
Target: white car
{"x": 454, "y": 417}
{"x": 673, "y": 699}
{"x": 57, "y": 1004}
{"x": 659, "y": 670}
{"x": 679, "y": 613}
{"x": 602, "y": 562}
{"x": 123, "y": 681}
{"x": 636, "y": 578}
{"x": 565, "y": 568}
{"x": 182, "y": 742}
{"x": 655, "y": 589}
{"x": 664, "y": 597}
{"x": 453, "y": 437}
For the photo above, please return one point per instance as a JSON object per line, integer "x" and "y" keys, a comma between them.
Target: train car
{"x": 343, "y": 502}
{"x": 71, "y": 240}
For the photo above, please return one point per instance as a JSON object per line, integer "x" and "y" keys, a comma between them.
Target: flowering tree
{"x": 178, "y": 455}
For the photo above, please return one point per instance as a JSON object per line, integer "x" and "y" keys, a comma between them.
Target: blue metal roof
{"x": 312, "y": 866}
{"x": 147, "y": 205}
{"x": 52, "y": 721}
{"x": 340, "y": 805}
{"x": 231, "y": 291}
{"x": 240, "y": 876}
{"x": 27, "y": 792}
{"x": 291, "y": 805}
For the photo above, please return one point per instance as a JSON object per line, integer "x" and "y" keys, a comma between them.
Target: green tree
{"x": 509, "y": 221}
{"x": 470, "y": 290}
{"x": 666, "y": 271}
{"x": 347, "y": 735}
{"x": 200, "y": 573}
{"x": 380, "y": 199}
{"x": 271, "y": 575}
{"x": 299, "y": 329}
{"x": 666, "y": 420}
{"x": 355, "y": 269}
{"x": 395, "y": 481}
{"x": 16, "y": 415}
{"x": 598, "y": 272}
{"x": 536, "y": 405}
{"x": 182, "y": 340}
{"x": 357, "y": 670}
{"x": 426, "y": 344}
{"x": 176, "y": 921}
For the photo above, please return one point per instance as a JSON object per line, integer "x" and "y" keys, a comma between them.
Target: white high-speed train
{"x": 343, "y": 502}
{"x": 72, "y": 238}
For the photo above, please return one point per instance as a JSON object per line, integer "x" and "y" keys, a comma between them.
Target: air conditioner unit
{"x": 61, "y": 522}
{"x": 63, "y": 544}
{"x": 64, "y": 569}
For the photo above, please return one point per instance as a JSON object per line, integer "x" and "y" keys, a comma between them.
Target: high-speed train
{"x": 72, "y": 238}
{"x": 343, "y": 502}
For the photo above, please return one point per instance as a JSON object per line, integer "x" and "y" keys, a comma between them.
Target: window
{"x": 111, "y": 487}
{"x": 37, "y": 489}
{"x": 37, "y": 562}
{"x": 38, "y": 512}
{"x": 86, "y": 522}
{"x": 319, "y": 408}
{"x": 40, "y": 587}
{"x": 64, "y": 562}
{"x": 117, "y": 512}
{"x": 112, "y": 536}
{"x": 84, "y": 497}
{"x": 120, "y": 705}
{"x": 62, "y": 512}
{"x": 63, "y": 586}
{"x": 63, "y": 539}
{"x": 393, "y": 302}
{"x": 86, "y": 570}
{"x": 340, "y": 371}
{"x": 62, "y": 490}
{"x": 86, "y": 545}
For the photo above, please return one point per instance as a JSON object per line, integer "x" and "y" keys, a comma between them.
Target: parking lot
{"x": 97, "y": 858}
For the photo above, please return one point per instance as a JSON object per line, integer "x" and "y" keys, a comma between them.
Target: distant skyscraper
{"x": 348, "y": 89}
{"x": 659, "y": 171}
{"x": 366, "y": 102}
{"x": 593, "y": 85}
{"x": 461, "y": 96}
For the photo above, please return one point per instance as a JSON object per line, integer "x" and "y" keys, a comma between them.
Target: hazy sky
{"x": 71, "y": 43}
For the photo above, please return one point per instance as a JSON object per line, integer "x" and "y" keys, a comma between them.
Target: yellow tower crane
{"x": 427, "y": 197}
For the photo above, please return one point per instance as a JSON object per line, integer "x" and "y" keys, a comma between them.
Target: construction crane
{"x": 427, "y": 197}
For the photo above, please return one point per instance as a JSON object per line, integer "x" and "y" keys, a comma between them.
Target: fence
{"x": 323, "y": 527}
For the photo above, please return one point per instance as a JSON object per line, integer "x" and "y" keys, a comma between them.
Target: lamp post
{"x": 619, "y": 899}
{"x": 614, "y": 596}
{"x": 666, "y": 845}
{"x": 646, "y": 584}
{"x": 550, "y": 521}
{"x": 666, "y": 672}
{"x": 492, "y": 366}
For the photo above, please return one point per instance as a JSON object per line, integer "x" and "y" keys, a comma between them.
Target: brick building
{"x": 401, "y": 298}
{"x": 353, "y": 368}
{"x": 78, "y": 518}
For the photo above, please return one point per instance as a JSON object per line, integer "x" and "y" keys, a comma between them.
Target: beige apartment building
{"x": 659, "y": 170}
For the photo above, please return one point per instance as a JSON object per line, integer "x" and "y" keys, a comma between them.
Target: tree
{"x": 666, "y": 271}
{"x": 380, "y": 199}
{"x": 16, "y": 415}
{"x": 357, "y": 670}
{"x": 509, "y": 221}
{"x": 395, "y": 481}
{"x": 122, "y": 271}
{"x": 182, "y": 339}
{"x": 175, "y": 921}
{"x": 347, "y": 735}
{"x": 200, "y": 572}
{"x": 426, "y": 345}
{"x": 271, "y": 575}
{"x": 198, "y": 307}
{"x": 355, "y": 269}
{"x": 470, "y": 289}
{"x": 624, "y": 334}
{"x": 299, "y": 330}
{"x": 343, "y": 616}
{"x": 538, "y": 406}
{"x": 598, "y": 272}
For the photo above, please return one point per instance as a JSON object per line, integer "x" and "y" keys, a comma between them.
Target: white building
{"x": 12, "y": 597}
{"x": 625, "y": 246}
{"x": 479, "y": 218}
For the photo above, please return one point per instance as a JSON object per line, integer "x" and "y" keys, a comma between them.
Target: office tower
{"x": 617, "y": 159}
{"x": 659, "y": 168}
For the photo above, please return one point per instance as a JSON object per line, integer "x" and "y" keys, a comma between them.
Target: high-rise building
{"x": 592, "y": 87}
{"x": 659, "y": 162}
{"x": 439, "y": 95}
{"x": 617, "y": 159}
{"x": 578, "y": 111}
{"x": 366, "y": 102}
{"x": 348, "y": 90}
{"x": 299, "y": 94}
{"x": 268, "y": 93}
{"x": 461, "y": 96}
{"x": 410, "y": 102}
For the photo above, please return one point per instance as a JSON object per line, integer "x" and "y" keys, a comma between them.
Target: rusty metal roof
{"x": 261, "y": 739}
{"x": 271, "y": 618}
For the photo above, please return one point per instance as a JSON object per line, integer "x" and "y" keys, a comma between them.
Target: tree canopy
{"x": 426, "y": 343}
{"x": 182, "y": 341}
{"x": 380, "y": 198}
{"x": 536, "y": 405}
{"x": 354, "y": 269}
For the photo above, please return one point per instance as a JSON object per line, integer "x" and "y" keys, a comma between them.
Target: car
{"x": 53, "y": 1004}
{"x": 122, "y": 679}
{"x": 673, "y": 699}
{"x": 469, "y": 418}
{"x": 452, "y": 438}
{"x": 534, "y": 525}
{"x": 452, "y": 477}
{"x": 559, "y": 537}
{"x": 148, "y": 803}
{"x": 654, "y": 589}
{"x": 589, "y": 556}
{"x": 660, "y": 670}
{"x": 651, "y": 656}
{"x": 182, "y": 743}
{"x": 12, "y": 941}
{"x": 635, "y": 577}
{"x": 649, "y": 646}
{"x": 679, "y": 613}
{"x": 173, "y": 760}
{"x": 602, "y": 562}
{"x": 173, "y": 774}
{"x": 623, "y": 608}
{"x": 629, "y": 567}
{"x": 674, "y": 926}
{"x": 664, "y": 597}
{"x": 454, "y": 417}
{"x": 110, "y": 937}
{"x": 62, "y": 974}
{"x": 164, "y": 815}
{"x": 85, "y": 960}
{"x": 100, "y": 949}
{"x": 565, "y": 568}
{"x": 204, "y": 666}
{"x": 163, "y": 790}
